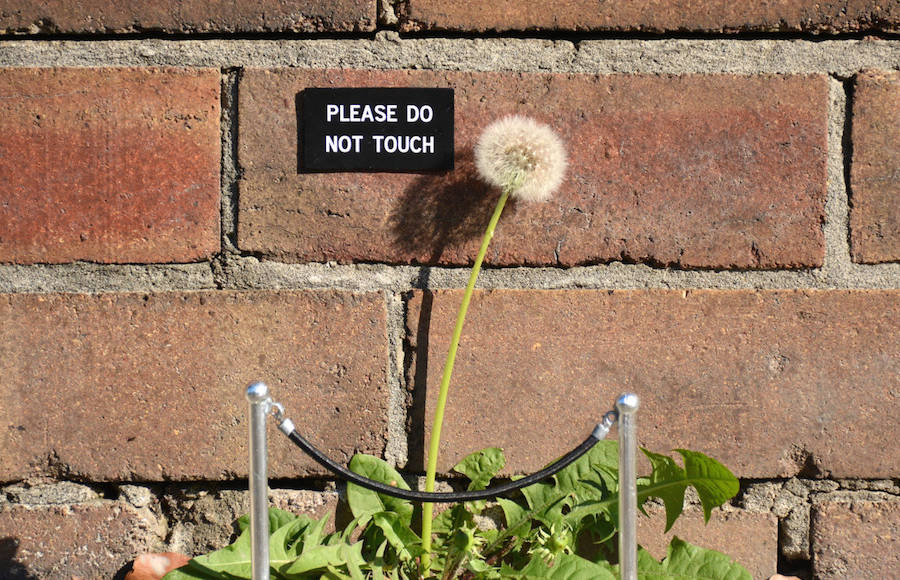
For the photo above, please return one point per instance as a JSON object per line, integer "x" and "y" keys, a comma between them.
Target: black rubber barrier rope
{"x": 600, "y": 432}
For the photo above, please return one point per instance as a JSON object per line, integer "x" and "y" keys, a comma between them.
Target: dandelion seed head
{"x": 522, "y": 155}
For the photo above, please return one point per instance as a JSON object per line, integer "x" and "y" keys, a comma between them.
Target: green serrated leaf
{"x": 354, "y": 561}
{"x": 572, "y": 567}
{"x": 534, "y": 569}
{"x": 481, "y": 467}
{"x": 365, "y": 501}
{"x": 591, "y": 478}
{"x": 332, "y": 573}
{"x": 518, "y": 520}
{"x": 479, "y": 566}
{"x": 688, "y": 562}
{"x": 377, "y": 564}
{"x": 358, "y": 523}
{"x": 232, "y": 561}
{"x": 284, "y": 541}
{"x": 277, "y": 518}
{"x": 398, "y": 534}
{"x": 316, "y": 559}
{"x": 665, "y": 470}
{"x": 714, "y": 483}
{"x": 451, "y": 519}
{"x": 507, "y": 571}
{"x": 313, "y": 534}
{"x": 565, "y": 567}
{"x": 647, "y": 564}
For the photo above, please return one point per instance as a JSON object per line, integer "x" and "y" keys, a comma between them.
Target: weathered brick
{"x": 151, "y": 387}
{"x": 203, "y": 521}
{"x": 91, "y": 540}
{"x": 109, "y": 165}
{"x": 750, "y": 539}
{"x": 875, "y": 171}
{"x": 663, "y": 16}
{"x": 106, "y": 16}
{"x": 712, "y": 171}
{"x": 859, "y": 539}
{"x": 771, "y": 383}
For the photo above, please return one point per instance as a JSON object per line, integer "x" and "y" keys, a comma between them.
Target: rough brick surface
{"x": 202, "y": 521}
{"x": 662, "y": 16}
{"x": 105, "y": 16}
{"x": 61, "y": 542}
{"x": 750, "y": 539}
{"x": 771, "y": 383}
{"x": 875, "y": 171}
{"x": 856, "y": 540}
{"x": 120, "y": 165}
{"x": 151, "y": 387}
{"x": 700, "y": 171}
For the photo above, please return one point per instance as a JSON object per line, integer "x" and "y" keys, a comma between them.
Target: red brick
{"x": 85, "y": 540}
{"x": 771, "y": 383}
{"x": 859, "y": 539}
{"x": 662, "y": 16}
{"x": 875, "y": 171}
{"x": 151, "y": 387}
{"x": 109, "y": 165}
{"x": 713, "y": 171}
{"x": 750, "y": 539}
{"x": 106, "y": 16}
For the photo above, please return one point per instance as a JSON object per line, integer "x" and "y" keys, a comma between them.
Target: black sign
{"x": 375, "y": 129}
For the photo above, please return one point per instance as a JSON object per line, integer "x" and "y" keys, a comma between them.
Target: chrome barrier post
{"x": 260, "y": 404}
{"x": 627, "y": 406}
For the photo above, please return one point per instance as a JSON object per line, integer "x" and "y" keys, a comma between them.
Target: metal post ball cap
{"x": 628, "y": 403}
{"x": 257, "y": 392}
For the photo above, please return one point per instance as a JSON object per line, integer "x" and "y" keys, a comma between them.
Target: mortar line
{"x": 232, "y": 272}
{"x": 396, "y": 450}
{"x": 91, "y": 278}
{"x": 255, "y": 274}
{"x": 229, "y": 169}
{"x": 390, "y": 51}
{"x": 836, "y": 229}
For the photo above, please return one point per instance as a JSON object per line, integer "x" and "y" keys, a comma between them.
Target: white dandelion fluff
{"x": 521, "y": 155}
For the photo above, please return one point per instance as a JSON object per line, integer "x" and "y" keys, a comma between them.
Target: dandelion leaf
{"x": 367, "y": 502}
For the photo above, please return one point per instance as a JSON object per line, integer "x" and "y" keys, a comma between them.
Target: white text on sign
{"x": 383, "y": 143}
{"x": 377, "y": 113}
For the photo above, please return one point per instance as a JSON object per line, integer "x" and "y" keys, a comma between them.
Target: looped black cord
{"x": 432, "y": 497}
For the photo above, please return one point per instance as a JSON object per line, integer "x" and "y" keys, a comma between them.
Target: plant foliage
{"x": 560, "y": 529}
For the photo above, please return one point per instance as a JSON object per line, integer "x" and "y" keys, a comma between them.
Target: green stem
{"x": 427, "y": 508}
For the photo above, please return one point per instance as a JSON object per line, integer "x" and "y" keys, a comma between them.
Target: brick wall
{"x": 726, "y": 244}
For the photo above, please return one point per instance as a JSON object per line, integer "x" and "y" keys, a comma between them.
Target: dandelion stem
{"x": 427, "y": 508}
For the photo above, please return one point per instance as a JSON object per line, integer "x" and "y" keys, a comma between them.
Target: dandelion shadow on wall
{"x": 436, "y": 221}
{"x": 440, "y": 214}
{"x": 9, "y": 567}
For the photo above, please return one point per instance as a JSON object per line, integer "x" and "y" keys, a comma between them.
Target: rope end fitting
{"x": 603, "y": 427}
